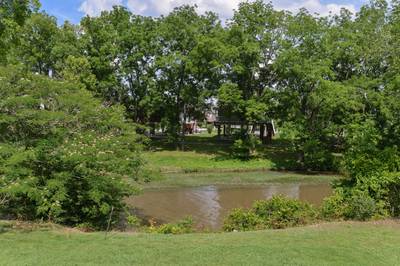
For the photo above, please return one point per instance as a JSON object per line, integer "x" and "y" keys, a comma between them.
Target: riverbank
{"x": 235, "y": 178}
{"x": 345, "y": 243}
{"x": 207, "y": 153}
{"x": 206, "y": 160}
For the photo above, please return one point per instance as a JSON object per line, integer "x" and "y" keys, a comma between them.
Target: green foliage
{"x": 210, "y": 128}
{"x": 245, "y": 146}
{"x": 316, "y": 156}
{"x": 38, "y": 37}
{"x": 184, "y": 226}
{"x": 242, "y": 220}
{"x": 281, "y": 212}
{"x": 13, "y": 14}
{"x": 361, "y": 207}
{"x": 276, "y": 213}
{"x": 134, "y": 221}
{"x": 334, "y": 207}
{"x": 64, "y": 157}
{"x": 352, "y": 205}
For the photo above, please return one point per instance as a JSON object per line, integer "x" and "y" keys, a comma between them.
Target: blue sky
{"x": 73, "y": 10}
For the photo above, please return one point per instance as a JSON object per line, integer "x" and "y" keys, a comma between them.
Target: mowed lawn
{"x": 250, "y": 178}
{"x": 206, "y": 160}
{"x": 326, "y": 244}
{"x": 208, "y": 154}
{"x": 191, "y": 161}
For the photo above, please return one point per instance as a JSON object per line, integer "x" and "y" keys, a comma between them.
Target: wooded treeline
{"x": 317, "y": 76}
{"x": 332, "y": 83}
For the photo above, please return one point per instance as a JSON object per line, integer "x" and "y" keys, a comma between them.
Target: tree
{"x": 185, "y": 79}
{"x": 13, "y": 14}
{"x": 37, "y": 40}
{"x": 64, "y": 157}
{"x": 254, "y": 41}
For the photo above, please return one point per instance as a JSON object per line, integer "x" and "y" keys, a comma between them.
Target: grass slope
{"x": 206, "y": 160}
{"x": 327, "y": 244}
{"x": 235, "y": 178}
{"x": 209, "y": 154}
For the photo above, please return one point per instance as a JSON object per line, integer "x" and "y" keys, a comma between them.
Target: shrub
{"x": 245, "y": 146}
{"x": 184, "y": 226}
{"x": 276, "y": 213}
{"x": 242, "y": 220}
{"x": 353, "y": 205}
{"x": 281, "y": 212}
{"x": 334, "y": 207}
{"x": 64, "y": 157}
{"x": 360, "y": 207}
{"x": 373, "y": 179}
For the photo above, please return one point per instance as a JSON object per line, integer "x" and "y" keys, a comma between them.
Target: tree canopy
{"x": 331, "y": 83}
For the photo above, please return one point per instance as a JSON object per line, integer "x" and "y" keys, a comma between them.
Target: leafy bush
{"x": 64, "y": 157}
{"x": 361, "y": 207}
{"x": 281, "y": 212}
{"x": 276, "y": 213}
{"x": 242, "y": 220}
{"x": 184, "y": 226}
{"x": 353, "y": 205}
{"x": 244, "y": 146}
{"x": 334, "y": 207}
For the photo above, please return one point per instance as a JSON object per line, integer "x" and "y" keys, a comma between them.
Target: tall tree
{"x": 184, "y": 75}
{"x": 13, "y": 14}
{"x": 37, "y": 40}
{"x": 254, "y": 41}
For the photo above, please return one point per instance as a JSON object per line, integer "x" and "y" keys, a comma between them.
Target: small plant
{"x": 184, "y": 226}
{"x": 210, "y": 128}
{"x": 134, "y": 221}
{"x": 334, "y": 207}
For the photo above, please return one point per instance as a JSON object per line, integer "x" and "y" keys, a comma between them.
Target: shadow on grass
{"x": 221, "y": 149}
{"x": 278, "y": 152}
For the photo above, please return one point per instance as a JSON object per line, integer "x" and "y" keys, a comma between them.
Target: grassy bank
{"x": 207, "y": 153}
{"x": 207, "y": 160}
{"x": 326, "y": 244}
{"x": 235, "y": 178}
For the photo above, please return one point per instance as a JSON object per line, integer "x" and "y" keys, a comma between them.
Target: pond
{"x": 209, "y": 205}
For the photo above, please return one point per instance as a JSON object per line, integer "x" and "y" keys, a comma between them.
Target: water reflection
{"x": 210, "y": 204}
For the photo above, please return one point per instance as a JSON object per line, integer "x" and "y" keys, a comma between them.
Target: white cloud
{"x": 223, "y": 7}
{"x": 313, "y": 6}
{"x": 94, "y": 7}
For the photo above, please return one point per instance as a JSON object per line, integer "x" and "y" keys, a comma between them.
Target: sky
{"x": 74, "y": 10}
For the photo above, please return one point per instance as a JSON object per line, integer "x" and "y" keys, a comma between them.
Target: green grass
{"x": 190, "y": 161}
{"x": 208, "y": 154}
{"x": 235, "y": 178}
{"x": 327, "y": 244}
{"x": 207, "y": 161}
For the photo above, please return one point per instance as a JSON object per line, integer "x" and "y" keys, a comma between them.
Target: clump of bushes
{"x": 353, "y": 205}
{"x": 277, "y": 213}
{"x": 242, "y": 220}
{"x": 185, "y": 226}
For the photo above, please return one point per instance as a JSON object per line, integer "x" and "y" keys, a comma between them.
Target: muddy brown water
{"x": 209, "y": 205}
